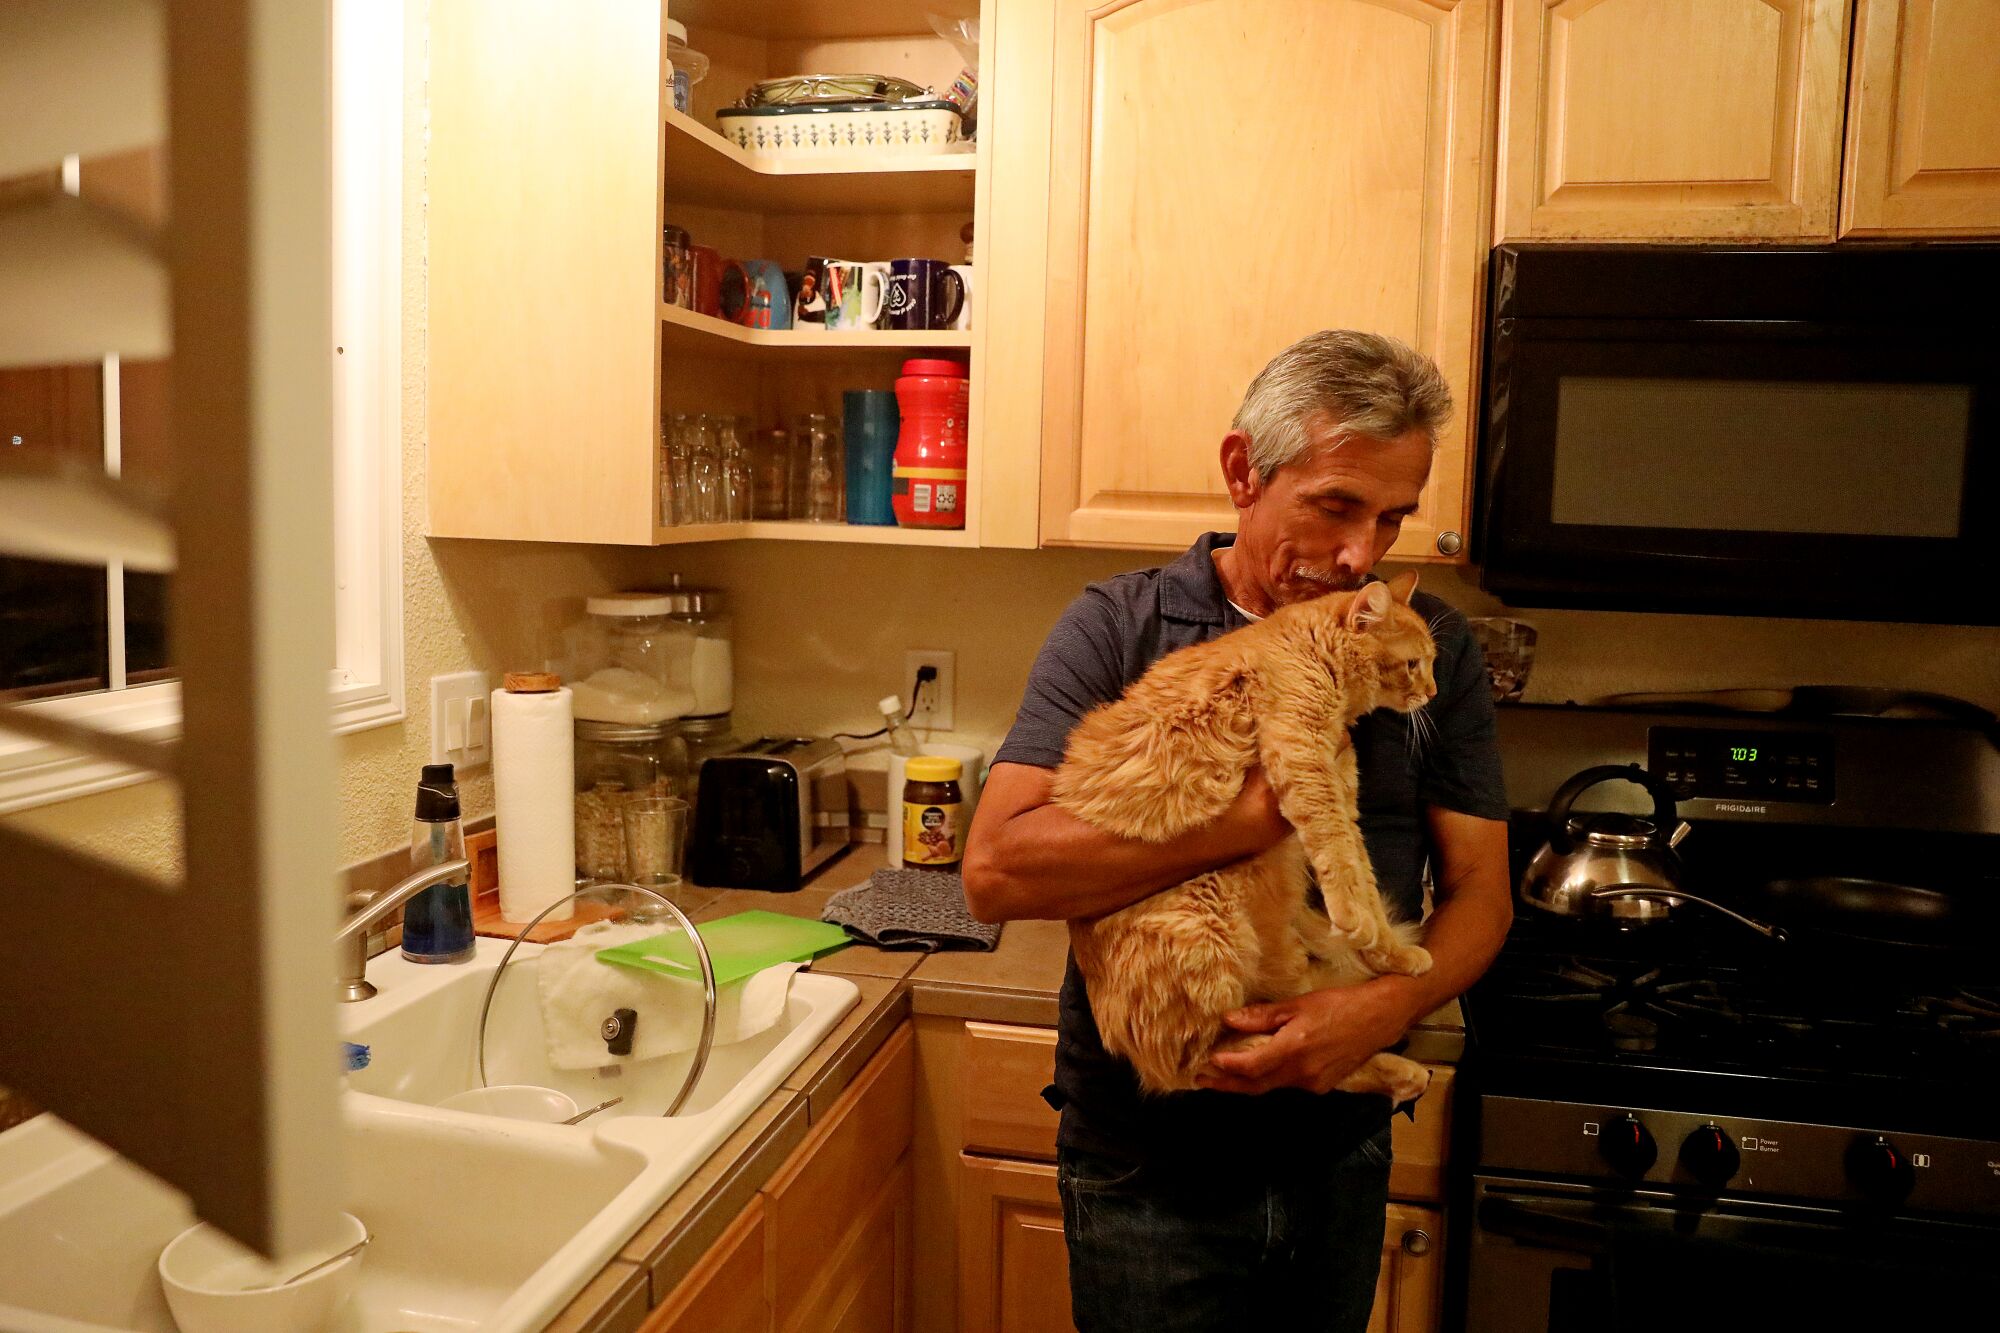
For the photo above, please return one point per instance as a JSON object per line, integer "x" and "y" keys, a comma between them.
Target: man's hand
{"x": 1316, "y": 1040}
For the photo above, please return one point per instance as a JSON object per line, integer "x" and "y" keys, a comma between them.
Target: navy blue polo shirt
{"x": 1106, "y": 640}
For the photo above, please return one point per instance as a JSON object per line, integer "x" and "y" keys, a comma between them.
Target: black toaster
{"x": 768, "y": 815}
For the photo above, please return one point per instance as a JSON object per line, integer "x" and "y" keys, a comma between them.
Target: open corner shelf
{"x": 705, "y": 169}
{"x": 684, "y": 330}
{"x": 795, "y": 19}
{"x": 813, "y": 532}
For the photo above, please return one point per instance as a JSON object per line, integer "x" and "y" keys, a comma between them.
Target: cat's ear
{"x": 1403, "y": 585}
{"x": 1368, "y": 607}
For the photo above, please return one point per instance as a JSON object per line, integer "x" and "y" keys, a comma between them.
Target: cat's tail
{"x": 1167, "y": 982}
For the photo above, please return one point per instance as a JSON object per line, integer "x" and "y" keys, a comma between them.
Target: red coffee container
{"x": 928, "y": 486}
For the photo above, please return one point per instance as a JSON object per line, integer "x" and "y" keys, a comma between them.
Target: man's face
{"x": 1320, "y": 524}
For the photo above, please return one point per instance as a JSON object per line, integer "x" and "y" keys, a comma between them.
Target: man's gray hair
{"x": 1355, "y": 383}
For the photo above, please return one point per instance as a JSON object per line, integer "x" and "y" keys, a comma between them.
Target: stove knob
{"x": 1879, "y": 1170}
{"x": 1628, "y": 1146}
{"x": 1709, "y": 1156}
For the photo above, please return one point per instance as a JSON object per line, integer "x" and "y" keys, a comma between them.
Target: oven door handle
{"x": 1577, "y": 1227}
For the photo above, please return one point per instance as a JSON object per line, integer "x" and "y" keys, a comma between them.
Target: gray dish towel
{"x": 910, "y": 909}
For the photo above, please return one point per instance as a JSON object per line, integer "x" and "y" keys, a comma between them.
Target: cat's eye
{"x": 1411, "y": 664}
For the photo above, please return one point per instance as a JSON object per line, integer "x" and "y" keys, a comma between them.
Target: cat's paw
{"x": 1407, "y": 1086}
{"x": 1407, "y": 960}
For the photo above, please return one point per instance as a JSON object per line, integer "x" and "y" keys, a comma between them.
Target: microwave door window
{"x": 1761, "y": 456}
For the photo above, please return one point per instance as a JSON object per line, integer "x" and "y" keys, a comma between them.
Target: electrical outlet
{"x": 461, "y": 721}
{"x": 932, "y": 709}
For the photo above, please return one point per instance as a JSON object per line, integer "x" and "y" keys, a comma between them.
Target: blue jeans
{"x": 1153, "y": 1253}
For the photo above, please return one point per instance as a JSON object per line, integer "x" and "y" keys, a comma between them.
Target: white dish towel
{"x": 579, "y": 993}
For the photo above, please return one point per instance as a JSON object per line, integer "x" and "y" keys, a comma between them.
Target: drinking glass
{"x": 736, "y": 490}
{"x": 771, "y": 474}
{"x": 677, "y": 496}
{"x": 704, "y": 471}
{"x": 817, "y": 442}
{"x": 655, "y": 838}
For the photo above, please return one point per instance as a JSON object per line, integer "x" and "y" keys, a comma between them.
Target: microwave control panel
{"x": 1730, "y": 764}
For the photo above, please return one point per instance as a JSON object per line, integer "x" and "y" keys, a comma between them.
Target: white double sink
{"x": 479, "y": 1223}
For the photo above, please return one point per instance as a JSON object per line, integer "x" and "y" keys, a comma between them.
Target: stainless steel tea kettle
{"x": 1623, "y": 867}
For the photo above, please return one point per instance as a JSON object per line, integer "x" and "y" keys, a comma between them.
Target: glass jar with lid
{"x": 616, "y": 763}
{"x": 706, "y": 736}
{"x": 635, "y": 660}
{"x": 703, "y": 612}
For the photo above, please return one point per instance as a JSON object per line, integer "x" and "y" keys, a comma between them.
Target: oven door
{"x": 1557, "y": 1258}
{"x": 1742, "y": 466}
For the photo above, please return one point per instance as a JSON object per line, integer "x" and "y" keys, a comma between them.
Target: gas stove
{"x": 1676, "y": 1016}
{"x": 1641, "y": 1099}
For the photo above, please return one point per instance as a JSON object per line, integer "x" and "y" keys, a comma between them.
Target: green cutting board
{"x": 738, "y": 946}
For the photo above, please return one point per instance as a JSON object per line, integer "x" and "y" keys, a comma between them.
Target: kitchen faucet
{"x": 369, "y": 907}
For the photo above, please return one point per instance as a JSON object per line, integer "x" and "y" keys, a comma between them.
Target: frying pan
{"x": 1850, "y": 909}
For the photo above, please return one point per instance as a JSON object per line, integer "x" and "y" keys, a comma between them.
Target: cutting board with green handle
{"x": 738, "y": 946}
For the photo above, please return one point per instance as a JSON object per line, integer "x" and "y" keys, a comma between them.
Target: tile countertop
{"x": 1016, "y": 983}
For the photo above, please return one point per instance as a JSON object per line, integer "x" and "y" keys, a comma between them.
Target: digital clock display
{"x": 1743, "y": 766}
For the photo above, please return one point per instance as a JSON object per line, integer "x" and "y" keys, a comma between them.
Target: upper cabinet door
{"x": 1671, "y": 119}
{"x": 1923, "y": 125}
{"x": 544, "y": 269}
{"x": 1228, "y": 176}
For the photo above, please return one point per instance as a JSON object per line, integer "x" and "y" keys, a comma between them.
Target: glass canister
{"x": 616, "y": 763}
{"x": 703, "y": 613}
{"x": 706, "y": 736}
{"x": 634, "y": 660}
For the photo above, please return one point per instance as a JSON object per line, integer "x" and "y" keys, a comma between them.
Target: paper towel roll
{"x": 534, "y": 796}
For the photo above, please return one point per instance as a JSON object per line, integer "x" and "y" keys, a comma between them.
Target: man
{"x": 1261, "y": 1197}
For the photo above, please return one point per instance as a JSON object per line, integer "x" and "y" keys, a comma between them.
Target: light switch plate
{"x": 461, "y": 719}
{"x": 932, "y": 709}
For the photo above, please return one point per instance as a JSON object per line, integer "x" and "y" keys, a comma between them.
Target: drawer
{"x": 810, "y": 1205}
{"x": 1005, "y": 1069}
{"x": 1422, "y": 1144}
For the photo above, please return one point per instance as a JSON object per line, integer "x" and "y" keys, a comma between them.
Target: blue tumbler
{"x": 871, "y": 422}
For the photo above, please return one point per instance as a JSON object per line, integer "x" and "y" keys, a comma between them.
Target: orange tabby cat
{"x": 1172, "y": 754}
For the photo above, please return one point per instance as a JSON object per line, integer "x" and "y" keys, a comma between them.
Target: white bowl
{"x": 514, "y": 1101}
{"x": 204, "y": 1273}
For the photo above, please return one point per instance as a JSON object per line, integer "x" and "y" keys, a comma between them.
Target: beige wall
{"x": 821, "y": 631}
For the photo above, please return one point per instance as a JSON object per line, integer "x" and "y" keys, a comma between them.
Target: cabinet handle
{"x": 1450, "y": 543}
{"x": 1416, "y": 1241}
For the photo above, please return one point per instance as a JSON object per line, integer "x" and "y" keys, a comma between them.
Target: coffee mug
{"x": 809, "y": 298}
{"x": 707, "y": 280}
{"x": 770, "y": 295}
{"x": 678, "y": 267}
{"x": 921, "y": 294}
{"x": 854, "y": 293}
{"x": 964, "y": 320}
{"x": 733, "y": 296}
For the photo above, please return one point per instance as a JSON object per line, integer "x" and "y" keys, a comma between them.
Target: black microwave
{"x": 1772, "y": 431}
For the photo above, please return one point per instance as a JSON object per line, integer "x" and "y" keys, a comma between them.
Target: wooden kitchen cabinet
{"x": 1923, "y": 120}
{"x": 555, "y": 160}
{"x": 725, "y": 1291}
{"x": 994, "y": 1259}
{"x": 1013, "y": 1262}
{"x": 1226, "y": 177}
{"x": 1409, "y": 1284}
{"x": 1671, "y": 119}
{"x": 828, "y": 1244}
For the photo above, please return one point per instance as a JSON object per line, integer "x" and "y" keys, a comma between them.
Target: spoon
{"x": 327, "y": 1262}
{"x": 601, "y": 1106}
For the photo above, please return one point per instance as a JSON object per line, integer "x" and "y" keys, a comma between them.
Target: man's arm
{"x": 1026, "y": 858}
{"x": 1322, "y": 1037}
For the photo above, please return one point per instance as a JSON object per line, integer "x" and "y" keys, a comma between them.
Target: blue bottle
{"x": 437, "y": 923}
{"x": 870, "y": 420}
